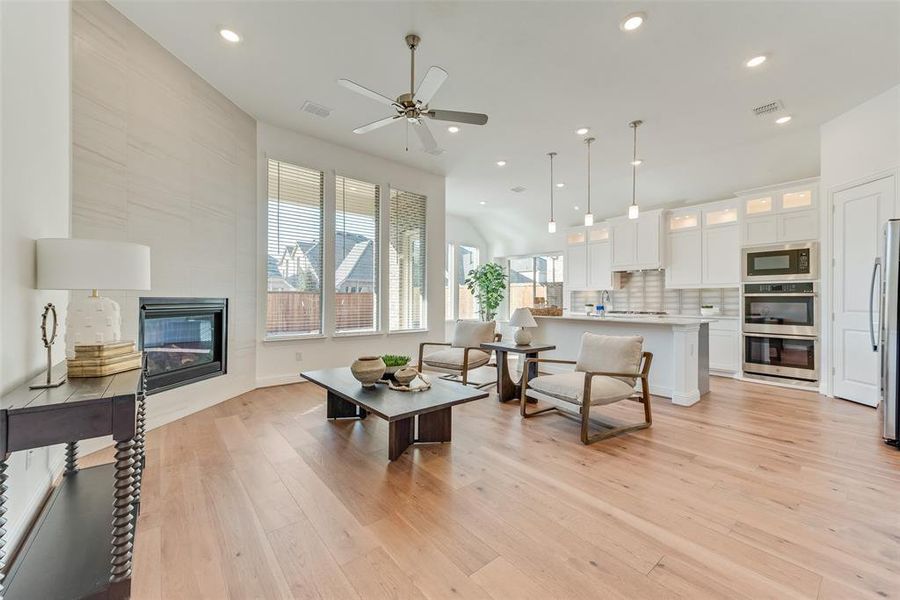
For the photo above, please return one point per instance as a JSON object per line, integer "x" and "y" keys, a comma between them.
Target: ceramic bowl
{"x": 368, "y": 370}
{"x": 405, "y": 375}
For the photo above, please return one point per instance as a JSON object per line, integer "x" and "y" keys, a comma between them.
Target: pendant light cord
{"x": 589, "y": 142}
{"x": 551, "y": 155}
{"x": 634, "y": 126}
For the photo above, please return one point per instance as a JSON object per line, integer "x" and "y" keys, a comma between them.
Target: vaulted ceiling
{"x": 543, "y": 69}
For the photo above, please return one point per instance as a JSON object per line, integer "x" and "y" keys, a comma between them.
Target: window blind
{"x": 294, "y": 249}
{"x": 356, "y": 255}
{"x": 407, "y": 261}
{"x": 466, "y": 259}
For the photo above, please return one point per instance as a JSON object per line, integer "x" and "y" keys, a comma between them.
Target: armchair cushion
{"x": 613, "y": 354}
{"x": 471, "y": 334}
{"x": 570, "y": 387}
{"x": 452, "y": 358}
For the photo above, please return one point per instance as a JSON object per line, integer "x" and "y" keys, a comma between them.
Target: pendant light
{"x": 633, "y": 210}
{"x": 589, "y": 216}
{"x": 551, "y": 224}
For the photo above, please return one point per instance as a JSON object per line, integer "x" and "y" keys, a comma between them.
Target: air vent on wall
{"x": 768, "y": 108}
{"x": 315, "y": 109}
{"x": 518, "y": 189}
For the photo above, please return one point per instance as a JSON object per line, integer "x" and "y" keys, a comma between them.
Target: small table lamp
{"x": 522, "y": 319}
{"x": 74, "y": 264}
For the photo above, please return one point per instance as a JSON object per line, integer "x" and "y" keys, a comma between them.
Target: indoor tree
{"x": 487, "y": 284}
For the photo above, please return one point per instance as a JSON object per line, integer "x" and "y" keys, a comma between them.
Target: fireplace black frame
{"x": 177, "y": 307}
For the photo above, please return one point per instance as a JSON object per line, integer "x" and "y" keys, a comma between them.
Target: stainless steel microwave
{"x": 784, "y": 262}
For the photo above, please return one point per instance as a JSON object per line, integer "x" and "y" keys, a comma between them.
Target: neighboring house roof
{"x": 354, "y": 257}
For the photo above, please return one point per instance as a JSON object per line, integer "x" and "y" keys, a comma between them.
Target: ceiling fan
{"x": 413, "y": 106}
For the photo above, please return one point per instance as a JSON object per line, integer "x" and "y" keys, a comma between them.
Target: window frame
{"x": 534, "y": 283}
{"x": 323, "y": 219}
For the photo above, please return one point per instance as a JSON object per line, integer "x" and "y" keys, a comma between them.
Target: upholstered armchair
{"x": 463, "y": 353}
{"x": 607, "y": 370}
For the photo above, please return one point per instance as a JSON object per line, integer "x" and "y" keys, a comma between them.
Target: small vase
{"x": 367, "y": 370}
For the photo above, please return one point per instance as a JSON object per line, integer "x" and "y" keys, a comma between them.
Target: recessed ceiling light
{"x": 560, "y": 185}
{"x": 482, "y": 203}
{"x": 229, "y": 36}
{"x": 636, "y": 162}
{"x": 582, "y": 130}
{"x": 453, "y": 129}
{"x": 756, "y": 61}
{"x": 783, "y": 120}
{"x": 632, "y": 21}
{"x": 575, "y": 207}
{"x": 501, "y": 163}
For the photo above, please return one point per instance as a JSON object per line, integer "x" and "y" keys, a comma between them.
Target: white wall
{"x": 277, "y": 361}
{"x": 35, "y": 194}
{"x": 161, "y": 158}
{"x": 862, "y": 143}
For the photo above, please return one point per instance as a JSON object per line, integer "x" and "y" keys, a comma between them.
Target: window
{"x": 466, "y": 260}
{"x": 355, "y": 255}
{"x": 407, "y": 261}
{"x": 294, "y": 250}
{"x": 535, "y": 281}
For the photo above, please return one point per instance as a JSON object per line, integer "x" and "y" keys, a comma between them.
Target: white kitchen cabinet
{"x": 684, "y": 259}
{"x": 780, "y": 214}
{"x": 576, "y": 259}
{"x": 724, "y": 346}
{"x": 638, "y": 243}
{"x": 600, "y": 275}
{"x": 721, "y": 256}
{"x": 703, "y": 246}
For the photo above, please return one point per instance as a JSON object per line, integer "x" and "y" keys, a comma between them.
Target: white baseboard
{"x": 263, "y": 382}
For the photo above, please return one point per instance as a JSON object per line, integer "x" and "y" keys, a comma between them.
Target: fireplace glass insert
{"x": 183, "y": 339}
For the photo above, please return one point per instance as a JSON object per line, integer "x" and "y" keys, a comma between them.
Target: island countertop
{"x": 661, "y": 320}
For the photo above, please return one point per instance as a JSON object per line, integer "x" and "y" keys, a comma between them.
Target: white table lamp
{"x": 522, "y": 319}
{"x": 74, "y": 264}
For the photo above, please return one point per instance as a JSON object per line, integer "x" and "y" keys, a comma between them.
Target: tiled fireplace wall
{"x": 646, "y": 290}
{"x": 161, "y": 158}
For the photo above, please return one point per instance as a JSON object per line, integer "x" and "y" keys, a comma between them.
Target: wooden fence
{"x": 299, "y": 312}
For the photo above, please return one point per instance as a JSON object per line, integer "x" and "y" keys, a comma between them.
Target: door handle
{"x": 875, "y": 270}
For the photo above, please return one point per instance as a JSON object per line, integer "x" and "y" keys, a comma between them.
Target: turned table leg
{"x": 123, "y": 516}
{"x": 3, "y": 488}
{"x": 139, "y": 448}
{"x": 71, "y": 458}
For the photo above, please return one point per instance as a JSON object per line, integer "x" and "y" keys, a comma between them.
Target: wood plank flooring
{"x": 755, "y": 492}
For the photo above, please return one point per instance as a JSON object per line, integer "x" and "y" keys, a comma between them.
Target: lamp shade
{"x": 522, "y": 317}
{"x": 72, "y": 264}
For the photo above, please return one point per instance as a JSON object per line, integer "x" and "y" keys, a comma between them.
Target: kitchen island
{"x": 680, "y": 347}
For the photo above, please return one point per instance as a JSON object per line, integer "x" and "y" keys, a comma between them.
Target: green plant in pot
{"x": 394, "y": 362}
{"x": 487, "y": 283}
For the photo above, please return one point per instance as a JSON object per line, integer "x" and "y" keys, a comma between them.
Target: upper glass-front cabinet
{"x": 721, "y": 217}
{"x": 683, "y": 221}
{"x": 575, "y": 237}
{"x": 758, "y": 206}
{"x": 798, "y": 199}
{"x": 598, "y": 233}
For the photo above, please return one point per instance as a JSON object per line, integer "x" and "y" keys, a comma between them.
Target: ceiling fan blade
{"x": 376, "y": 124}
{"x": 458, "y": 116}
{"x": 428, "y": 142}
{"x": 364, "y": 91}
{"x": 434, "y": 79}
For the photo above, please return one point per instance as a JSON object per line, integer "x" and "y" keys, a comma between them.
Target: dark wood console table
{"x": 69, "y": 553}
{"x": 507, "y": 389}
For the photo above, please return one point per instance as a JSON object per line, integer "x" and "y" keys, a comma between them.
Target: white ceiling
{"x": 542, "y": 69}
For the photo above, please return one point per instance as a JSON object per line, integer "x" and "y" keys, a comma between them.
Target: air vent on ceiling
{"x": 768, "y": 108}
{"x": 315, "y": 109}
{"x": 518, "y": 189}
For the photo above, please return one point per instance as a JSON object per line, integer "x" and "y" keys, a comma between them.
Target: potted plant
{"x": 394, "y": 362}
{"x": 487, "y": 284}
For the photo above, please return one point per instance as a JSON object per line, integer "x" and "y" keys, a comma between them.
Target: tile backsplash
{"x": 646, "y": 290}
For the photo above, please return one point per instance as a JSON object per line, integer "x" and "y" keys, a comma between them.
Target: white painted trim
{"x": 264, "y": 382}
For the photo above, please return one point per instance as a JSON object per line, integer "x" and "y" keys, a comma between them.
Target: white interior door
{"x": 859, "y": 214}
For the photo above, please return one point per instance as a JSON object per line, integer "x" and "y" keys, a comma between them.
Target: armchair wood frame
{"x": 610, "y": 429}
{"x": 463, "y": 375}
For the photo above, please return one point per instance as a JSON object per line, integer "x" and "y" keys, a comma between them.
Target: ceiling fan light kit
{"x": 633, "y": 210}
{"x": 413, "y": 106}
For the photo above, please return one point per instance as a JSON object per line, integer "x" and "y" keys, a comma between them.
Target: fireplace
{"x": 184, "y": 340}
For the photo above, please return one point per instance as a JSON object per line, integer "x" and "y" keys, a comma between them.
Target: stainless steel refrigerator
{"x": 883, "y": 323}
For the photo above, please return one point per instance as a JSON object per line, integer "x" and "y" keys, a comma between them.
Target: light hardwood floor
{"x": 755, "y": 492}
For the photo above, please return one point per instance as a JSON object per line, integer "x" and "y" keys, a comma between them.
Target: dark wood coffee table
{"x": 507, "y": 389}
{"x": 413, "y": 417}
